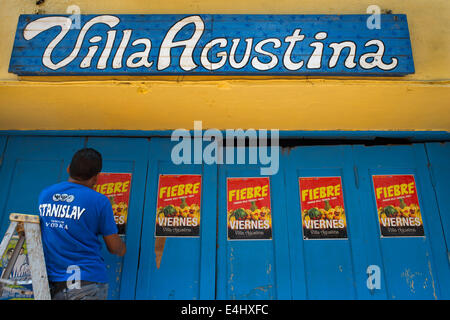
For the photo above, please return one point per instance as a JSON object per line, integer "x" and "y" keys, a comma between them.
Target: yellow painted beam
{"x": 416, "y": 102}
{"x": 312, "y": 104}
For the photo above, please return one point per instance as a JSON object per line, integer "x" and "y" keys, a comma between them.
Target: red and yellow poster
{"x": 249, "y": 215}
{"x": 116, "y": 186}
{"x": 322, "y": 208}
{"x": 397, "y": 206}
{"x": 178, "y": 206}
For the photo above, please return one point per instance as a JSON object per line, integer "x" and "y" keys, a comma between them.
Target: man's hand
{"x": 115, "y": 245}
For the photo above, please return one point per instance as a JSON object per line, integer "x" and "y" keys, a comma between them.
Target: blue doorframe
{"x": 412, "y": 136}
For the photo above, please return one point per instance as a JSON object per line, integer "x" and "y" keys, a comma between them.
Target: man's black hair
{"x": 85, "y": 164}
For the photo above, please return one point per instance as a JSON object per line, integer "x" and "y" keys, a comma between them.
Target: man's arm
{"x": 115, "y": 245}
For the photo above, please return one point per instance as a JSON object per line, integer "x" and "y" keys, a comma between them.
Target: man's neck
{"x": 85, "y": 183}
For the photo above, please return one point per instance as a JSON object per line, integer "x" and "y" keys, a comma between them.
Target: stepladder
{"x": 27, "y": 228}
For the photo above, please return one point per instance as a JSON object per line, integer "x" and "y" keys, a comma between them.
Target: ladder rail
{"x": 12, "y": 261}
{"x": 7, "y": 237}
{"x": 30, "y": 231}
{"x": 39, "y": 278}
{"x": 3, "y": 246}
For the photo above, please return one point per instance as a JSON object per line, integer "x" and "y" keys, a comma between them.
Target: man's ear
{"x": 68, "y": 169}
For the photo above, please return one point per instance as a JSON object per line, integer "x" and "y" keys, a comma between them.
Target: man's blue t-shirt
{"x": 73, "y": 217}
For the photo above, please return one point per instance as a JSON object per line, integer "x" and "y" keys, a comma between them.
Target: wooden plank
{"x": 405, "y": 261}
{"x": 12, "y": 261}
{"x": 37, "y": 262}
{"x": 187, "y": 267}
{"x": 209, "y": 44}
{"x": 19, "y": 217}
{"x": 438, "y": 157}
{"x": 125, "y": 155}
{"x": 7, "y": 237}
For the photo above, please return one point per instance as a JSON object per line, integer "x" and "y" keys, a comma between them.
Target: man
{"x": 73, "y": 216}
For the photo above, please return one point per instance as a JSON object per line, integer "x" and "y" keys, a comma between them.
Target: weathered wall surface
{"x": 415, "y": 102}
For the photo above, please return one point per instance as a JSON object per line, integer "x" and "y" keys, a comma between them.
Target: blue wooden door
{"x": 408, "y": 267}
{"x": 125, "y": 155}
{"x": 412, "y": 267}
{"x": 252, "y": 268}
{"x": 439, "y": 164}
{"x": 324, "y": 267}
{"x": 29, "y": 165}
{"x": 3, "y": 140}
{"x": 186, "y": 265}
{"x": 289, "y": 265}
{"x": 33, "y": 163}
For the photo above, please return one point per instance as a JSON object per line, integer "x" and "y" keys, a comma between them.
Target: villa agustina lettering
{"x": 206, "y": 44}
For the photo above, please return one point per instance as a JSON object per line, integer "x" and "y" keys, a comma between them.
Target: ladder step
{"x": 19, "y": 291}
{"x": 19, "y": 217}
{"x": 15, "y": 282}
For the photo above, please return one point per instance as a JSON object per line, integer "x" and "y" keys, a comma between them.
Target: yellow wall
{"x": 415, "y": 102}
